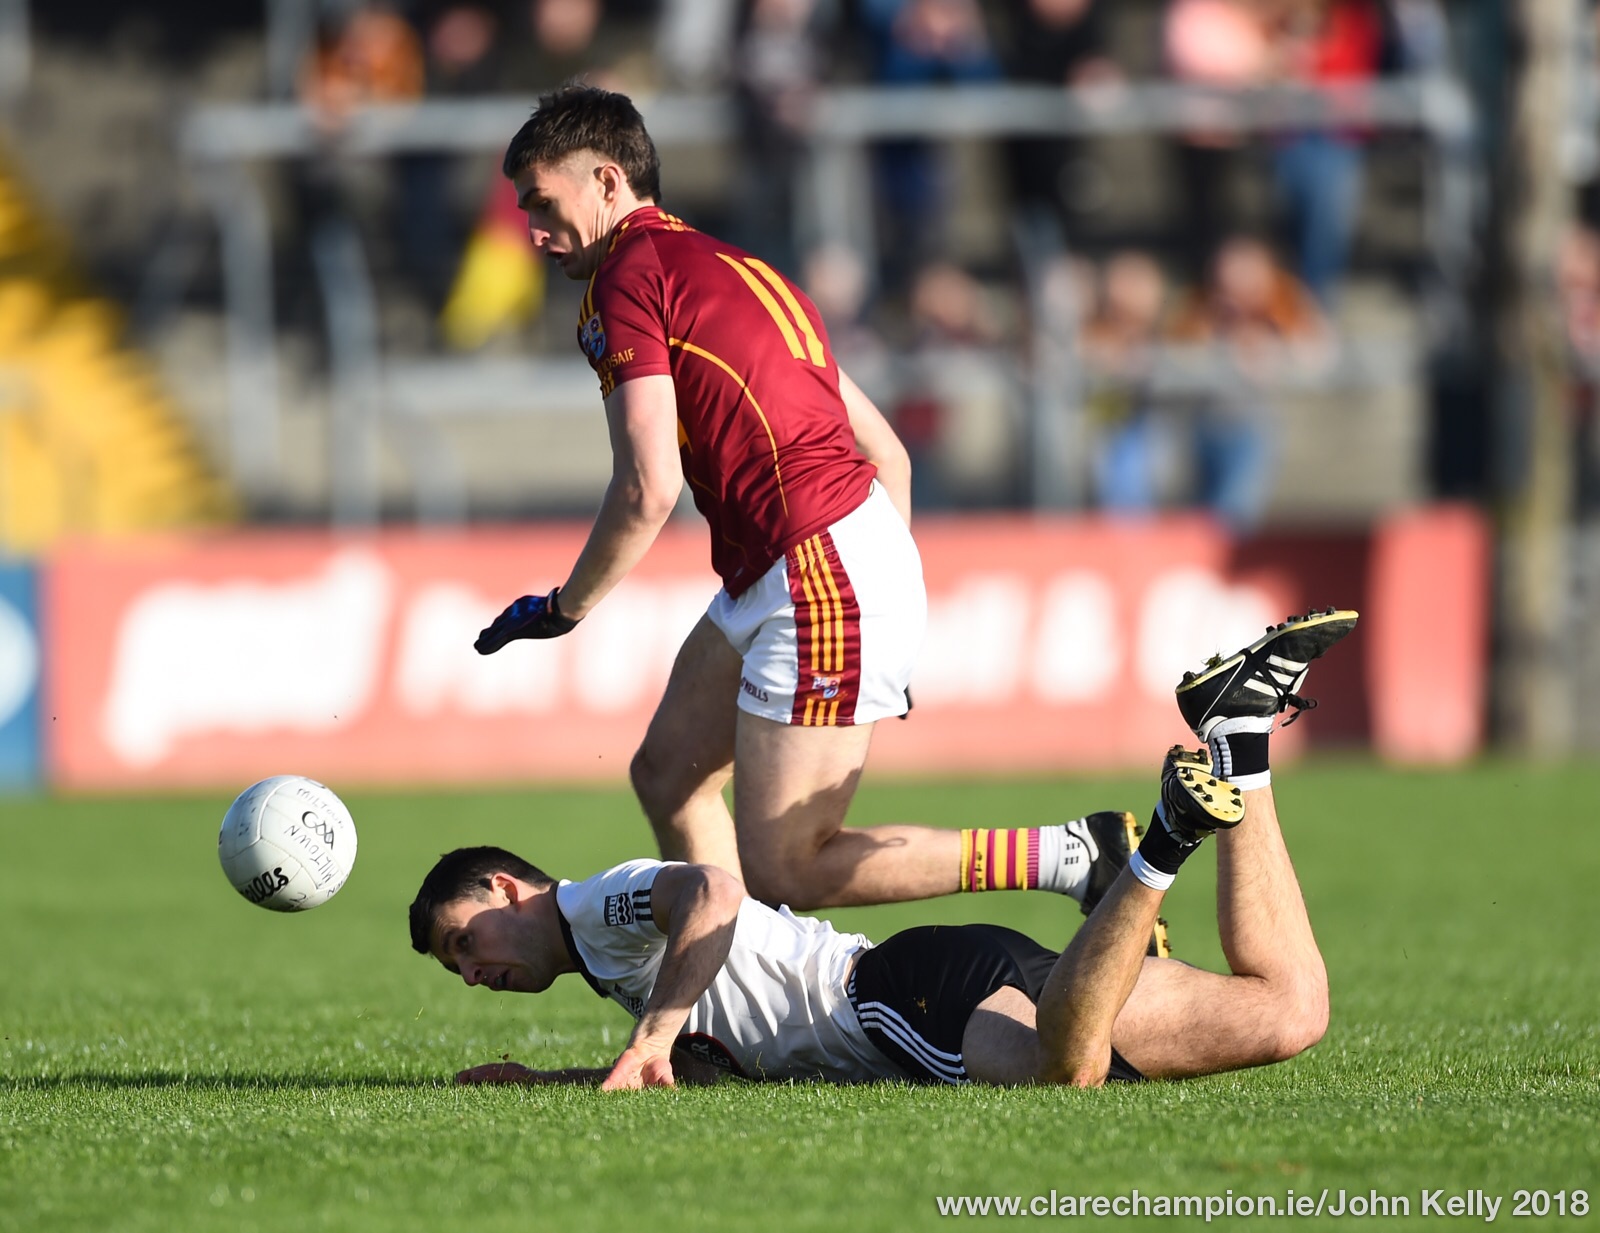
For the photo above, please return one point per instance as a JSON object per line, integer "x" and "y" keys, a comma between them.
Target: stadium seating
{"x": 89, "y": 441}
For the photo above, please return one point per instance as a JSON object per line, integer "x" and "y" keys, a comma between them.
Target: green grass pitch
{"x": 175, "y": 1059}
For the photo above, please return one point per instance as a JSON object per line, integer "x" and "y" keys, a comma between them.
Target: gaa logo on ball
{"x": 287, "y": 843}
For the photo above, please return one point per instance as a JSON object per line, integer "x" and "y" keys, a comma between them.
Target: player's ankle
{"x": 1000, "y": 859}
{"x": 1065, "y": 861}
{"x": 1241, "y": 758}
{"x": 1160, "y": 854}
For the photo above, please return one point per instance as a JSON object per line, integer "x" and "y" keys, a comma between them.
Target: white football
{"x": 287, "y": 843}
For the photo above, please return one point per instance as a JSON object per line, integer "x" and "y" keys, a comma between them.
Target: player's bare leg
{"x": 1081, "y": 1006}
{"x": 1091, "y": 983}
{"x": 1265, "y": 930}
{"x": 1273, "y": 1003}
{"x": 1261, "y": 914}
{"x": 686, "y": 757}
{"x": 1176, "y": 1021}
{"x": 1166, "y": 1019}
{"x": 793, "y": 787}
{"x": 791, "y": 792}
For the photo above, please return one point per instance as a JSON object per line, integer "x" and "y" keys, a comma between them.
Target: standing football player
{"x": 716, "y": 369}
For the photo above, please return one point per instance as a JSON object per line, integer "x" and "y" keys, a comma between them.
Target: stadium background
{"x": 287, "y": 412}
{"x": 1190, "y": 312}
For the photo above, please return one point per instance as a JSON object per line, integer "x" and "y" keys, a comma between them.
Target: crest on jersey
{"x": 619, "y": 909}
{"x": 592, "y": 338}
{"x": 827, "y": 686}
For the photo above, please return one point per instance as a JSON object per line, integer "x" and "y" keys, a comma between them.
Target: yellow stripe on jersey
{"x": 586, "y": 308}
{"x": 785, "y": 326}
{"x": 813, "y": 344}
{"x": 777, "y": 471}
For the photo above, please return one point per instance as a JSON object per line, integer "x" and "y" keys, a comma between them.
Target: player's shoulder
{"x": 620, "y": 895}
{"x": 628, "y": 872}
{"x": 663, "y": 239}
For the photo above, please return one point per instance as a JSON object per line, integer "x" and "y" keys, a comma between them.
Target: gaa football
{"x": 287, "y": 843}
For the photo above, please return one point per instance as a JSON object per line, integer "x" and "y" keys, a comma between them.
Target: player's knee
{"x": 654, "y": 783}
{"x": 1303, "y": 1021}
{"x": 784, "y": 885}
{"x": 1083, "y": 1072}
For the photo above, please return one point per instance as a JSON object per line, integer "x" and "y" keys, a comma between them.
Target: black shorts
{"x": 915, "y": 993}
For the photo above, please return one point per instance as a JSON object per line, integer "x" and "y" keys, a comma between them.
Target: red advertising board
{"x": 1052, "y": 644}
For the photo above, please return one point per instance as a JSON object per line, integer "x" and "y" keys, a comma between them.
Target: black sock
{"x": 1162, "y": 850}
{"x": 1239, "y": 755}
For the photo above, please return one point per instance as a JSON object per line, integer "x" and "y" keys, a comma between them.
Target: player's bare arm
{"x": 646, "y": 476}
{"x": 697, "y": 907}
{"x": 877, "y": 440}
{"x": 642, "y": 418}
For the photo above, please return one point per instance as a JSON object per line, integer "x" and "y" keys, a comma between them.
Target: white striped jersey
{"x": 777, "y": 1010}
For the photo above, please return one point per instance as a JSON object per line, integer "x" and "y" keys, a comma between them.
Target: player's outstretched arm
{"x": 877, "y": 440}
{"x": 697, "y": 907}
{"x": 646, "y": 476}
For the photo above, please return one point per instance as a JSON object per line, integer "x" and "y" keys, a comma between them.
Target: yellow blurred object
{"x": 89, "y": 441}
{"x": 499, "y": 287}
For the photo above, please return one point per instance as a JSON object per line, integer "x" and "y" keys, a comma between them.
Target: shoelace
{"x": 1285, "y": 698}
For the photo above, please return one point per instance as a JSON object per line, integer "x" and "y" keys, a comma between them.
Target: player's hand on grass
{"x": 499, "y": 1072}
{"x": 638, "y": 1068}
{"x": 532, "y": 616}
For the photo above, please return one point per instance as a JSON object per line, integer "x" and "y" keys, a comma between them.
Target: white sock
{"x": 1147, "y": 873}
{"x": 1064, "y": 856}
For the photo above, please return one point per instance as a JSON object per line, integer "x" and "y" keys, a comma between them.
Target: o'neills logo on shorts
{"x": 827, "y": 686}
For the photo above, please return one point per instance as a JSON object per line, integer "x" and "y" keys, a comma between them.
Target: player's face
{"x": 492, "y": 944}
{"x": 568, "y": 212}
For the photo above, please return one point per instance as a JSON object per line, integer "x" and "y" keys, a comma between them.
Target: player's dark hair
{"x": 466, "y": 873}
{"x": 578, "y": 117}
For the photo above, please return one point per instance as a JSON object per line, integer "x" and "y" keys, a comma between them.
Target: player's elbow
{"x": 893, "y": 463}
{"x": 650, "y": 498}
{"x": 659, "y": 496}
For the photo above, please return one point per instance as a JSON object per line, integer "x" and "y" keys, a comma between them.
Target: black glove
{"x": 532, "y": 616}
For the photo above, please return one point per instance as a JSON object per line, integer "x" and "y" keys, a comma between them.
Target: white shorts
{"x": 829, "y": 634}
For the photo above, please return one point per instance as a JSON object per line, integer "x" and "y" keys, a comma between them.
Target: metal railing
{"x": 219, "y": 143}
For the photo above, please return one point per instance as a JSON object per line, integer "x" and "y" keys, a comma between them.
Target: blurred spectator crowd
{"x": 1236, "y": 297}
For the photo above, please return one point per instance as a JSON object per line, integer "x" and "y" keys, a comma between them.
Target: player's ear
{"x": 610, "y": 177}
{"x": 507, "y": 886}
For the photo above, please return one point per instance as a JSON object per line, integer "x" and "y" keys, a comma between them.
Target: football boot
{"x": 1246, "y": 691}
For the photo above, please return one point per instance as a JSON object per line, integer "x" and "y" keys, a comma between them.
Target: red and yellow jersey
{"x": 763, "y": 433}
